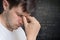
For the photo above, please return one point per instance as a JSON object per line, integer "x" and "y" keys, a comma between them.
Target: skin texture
{"x": 15, "y": 17}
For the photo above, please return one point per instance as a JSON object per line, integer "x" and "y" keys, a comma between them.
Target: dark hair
{"x": 1, "y": 6}
{"x": 13, "y": 3}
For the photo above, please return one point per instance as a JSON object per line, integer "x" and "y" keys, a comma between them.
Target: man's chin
{"x": 16, "y": 28}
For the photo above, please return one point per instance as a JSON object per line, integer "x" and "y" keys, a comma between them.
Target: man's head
{"x": 13, "y": 12}
{"x": 13, "y": 3}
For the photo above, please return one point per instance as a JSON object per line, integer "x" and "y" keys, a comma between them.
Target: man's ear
{"x": 5, "y": 4}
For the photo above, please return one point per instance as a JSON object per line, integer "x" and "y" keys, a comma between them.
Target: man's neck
{"x": 3, "y": 21}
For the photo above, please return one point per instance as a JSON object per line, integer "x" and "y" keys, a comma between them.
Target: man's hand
{"x": 32, "y": 28}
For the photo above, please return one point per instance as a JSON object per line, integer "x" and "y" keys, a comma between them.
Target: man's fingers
{"x": 25, "y": 21}
{"x": 31, "y": 19}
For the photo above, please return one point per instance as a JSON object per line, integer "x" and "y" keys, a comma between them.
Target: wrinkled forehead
{"x": 19, "y": 9}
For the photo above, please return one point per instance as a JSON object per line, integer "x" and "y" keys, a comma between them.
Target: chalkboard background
{"x": 48, "y": 14}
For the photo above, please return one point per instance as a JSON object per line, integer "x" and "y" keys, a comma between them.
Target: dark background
{"x": 48, "y": 14}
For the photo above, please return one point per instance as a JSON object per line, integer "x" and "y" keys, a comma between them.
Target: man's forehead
{"x": 20, "y": 9}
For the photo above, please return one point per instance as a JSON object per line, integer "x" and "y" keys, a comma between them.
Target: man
{"x": 13, "y": 17}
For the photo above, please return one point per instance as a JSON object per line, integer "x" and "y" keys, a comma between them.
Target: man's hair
{"x": 13, "y": 3}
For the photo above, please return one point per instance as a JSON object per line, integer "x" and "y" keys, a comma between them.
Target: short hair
{"x": 13, "y": 3}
